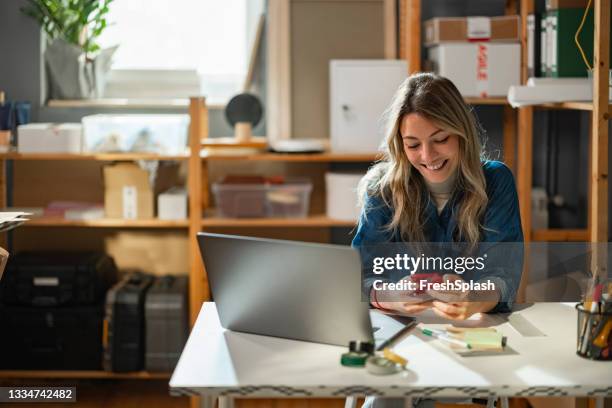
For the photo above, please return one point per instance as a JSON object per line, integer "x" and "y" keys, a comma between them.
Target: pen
{"x": 397, "y": 335}
{"x": 445, "y": 337}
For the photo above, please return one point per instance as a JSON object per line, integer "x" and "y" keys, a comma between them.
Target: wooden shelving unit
{"x": 599, "y": 108}
{"x": 202, "y": 217}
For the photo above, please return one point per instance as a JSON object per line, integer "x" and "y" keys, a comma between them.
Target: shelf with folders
{"x": 599, "y": 107}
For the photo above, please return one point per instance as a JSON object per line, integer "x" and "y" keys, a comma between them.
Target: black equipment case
{"x": 34, "y": 338}
{"x": 124, "y": 323}
{"x": 166, "y": 322}
{"x": 51, "y": 279}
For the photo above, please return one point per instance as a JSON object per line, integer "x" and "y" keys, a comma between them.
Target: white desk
{"x": 217, "y": 362}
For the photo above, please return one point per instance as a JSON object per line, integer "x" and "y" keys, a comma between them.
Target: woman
{"x": 434, "y": 186}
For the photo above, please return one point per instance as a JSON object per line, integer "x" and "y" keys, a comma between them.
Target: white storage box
{"x": 478, "y": 69}
{"x": 360, "y": 91}
{"x": 290, "y": 199}
{"x": 341, "y": 195}
{"x": 163, "y": 134}
{"x": 50, "y": 138}
{"x": 172, "y": 204}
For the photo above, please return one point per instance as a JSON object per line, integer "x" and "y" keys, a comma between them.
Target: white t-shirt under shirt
{"x": 441, "y": 192}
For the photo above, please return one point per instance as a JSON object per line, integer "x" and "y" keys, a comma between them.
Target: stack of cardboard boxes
{"x": 481, "y": 55}
{"x": 128, "y": 194}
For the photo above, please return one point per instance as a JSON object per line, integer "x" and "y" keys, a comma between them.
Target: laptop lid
{"x": 289, "y": 289}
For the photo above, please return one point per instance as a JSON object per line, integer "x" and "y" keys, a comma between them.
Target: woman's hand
{"x": 404, "y": 308}
{"x": 403, "y": 302}
{"x": 459, "y": 305}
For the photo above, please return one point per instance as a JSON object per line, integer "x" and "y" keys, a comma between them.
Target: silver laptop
{"x": 294, "y": 290}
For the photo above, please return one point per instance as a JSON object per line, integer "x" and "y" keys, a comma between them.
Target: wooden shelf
{"x": 486, "y": 101}
{"x": 300, "y": 157}
{"x": 91, "y": 156}
{"x": 256, "y": 142}
{"x": 584, "y": 106}
{"x": 105, "y": 223}
{"x": 93, "y": 374}
{"x": 560, "y": 235}
{"x": 313, "y": 221}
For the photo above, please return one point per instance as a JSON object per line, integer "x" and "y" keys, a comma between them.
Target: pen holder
{"x": 594, "y": 331}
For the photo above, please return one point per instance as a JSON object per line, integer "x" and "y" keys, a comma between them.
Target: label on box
{"x": 429, "y": 33}
{"x": 130, "y": 202}
{"x": 482, "y": 70}
{"x": 45, "y": 281}
{"x": 479, "y": 28}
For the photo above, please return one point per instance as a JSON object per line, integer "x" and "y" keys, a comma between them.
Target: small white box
{"x": 341, "y": 195}
{"x": 172, "y": 204}
{"x": 50, "y": 138}
{"x": 360, "y": 91}
{"x": 478, "y": 69}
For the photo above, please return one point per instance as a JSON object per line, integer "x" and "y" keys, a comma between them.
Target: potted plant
{"x": 76, "y": 65}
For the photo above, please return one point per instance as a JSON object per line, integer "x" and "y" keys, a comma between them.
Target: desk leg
{"x": 207, "y": 401}
{"x": 504, "y": 402}
{"x": 350, "y": 402}
{"x": 226, "y": 402}
{"x": 599, "y": 402}
{"x": 408, "y": 402}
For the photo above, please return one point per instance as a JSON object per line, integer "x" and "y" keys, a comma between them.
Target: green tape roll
{"x": 353, "y": 359}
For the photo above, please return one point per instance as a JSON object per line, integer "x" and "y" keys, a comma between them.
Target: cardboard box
{"x": 559, "y": 4}
{"x": 127, "y": 192}
{"x": 486, "y": 69}
{"x": 50, "y": 138}
{"x": 445, "y": 29}
{"x": 172, "y": 204}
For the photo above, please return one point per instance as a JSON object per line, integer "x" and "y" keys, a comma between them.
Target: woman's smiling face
{"x": 431, "y": 150}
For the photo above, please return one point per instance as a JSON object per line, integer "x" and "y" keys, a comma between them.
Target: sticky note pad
{"x": 483, "y": 340}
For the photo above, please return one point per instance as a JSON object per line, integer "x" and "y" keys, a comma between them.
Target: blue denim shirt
{"x": 501, "y": 224}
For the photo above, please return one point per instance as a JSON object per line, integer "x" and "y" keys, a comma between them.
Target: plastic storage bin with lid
{"x": 252, "y": 196}
{"x": 153, "y": 133}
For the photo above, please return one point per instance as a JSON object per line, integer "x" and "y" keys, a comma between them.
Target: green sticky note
{"x": 483, "y": 339}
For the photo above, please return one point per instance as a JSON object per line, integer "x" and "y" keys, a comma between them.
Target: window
{"x": 179, "y": 48}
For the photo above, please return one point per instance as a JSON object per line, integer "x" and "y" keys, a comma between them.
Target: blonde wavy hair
{"x": 402, "y": 187}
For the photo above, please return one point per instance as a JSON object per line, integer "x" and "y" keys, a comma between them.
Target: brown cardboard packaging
{"x": 444, "y": 29}
{"x": 561, "y": 4}
{"x": 127, "y": 192}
